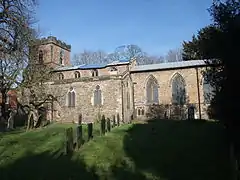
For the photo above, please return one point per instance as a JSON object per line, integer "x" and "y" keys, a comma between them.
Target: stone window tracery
{"x": 152, "y": 90}
{"x": 178, "y": 90}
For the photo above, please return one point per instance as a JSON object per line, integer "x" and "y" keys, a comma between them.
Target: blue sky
{"x": 154, "y": 25}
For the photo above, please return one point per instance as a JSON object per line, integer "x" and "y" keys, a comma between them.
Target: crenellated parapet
{"x": 54, "y": 40}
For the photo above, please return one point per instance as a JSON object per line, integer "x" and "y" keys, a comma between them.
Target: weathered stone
{"x": 69, "y": 141}
{"x": 103, "y": 125}
{"x": 79, "y": 136}
{"x": 90, "y": 131}
{"x": 118, "y": 120}
{"x": 108, "y": 125}
{"x": 114, "y": 121}
{"x": 123, "y": 91}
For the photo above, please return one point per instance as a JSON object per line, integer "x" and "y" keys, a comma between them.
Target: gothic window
{"x": 77, "y": 75}
{"x": 71, "y": 97}
{"x": 97, "y": 96}
{"x": 207, "y": 91}
{"x": 61, "y": 57}
{"x": 60, "y": 76}
{"x": 178, "y": 90}
{"x": 152, "y": 90}
{"x": 94, "y": 72}
{"x": 40, "y": 57}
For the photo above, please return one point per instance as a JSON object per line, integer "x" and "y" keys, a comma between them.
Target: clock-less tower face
{"x": 53, "y": 52}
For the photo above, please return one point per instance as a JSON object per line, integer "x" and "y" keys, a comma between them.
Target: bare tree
{"x": 130, "y": 51}
{"x": 174, "y": 55}
{"x": 89, "y": 57}
{"x": 16, "y": 18}
{"x": 153, "y": 59}
{"x": 36, "y": 91}
{"x": 124, "y": 52}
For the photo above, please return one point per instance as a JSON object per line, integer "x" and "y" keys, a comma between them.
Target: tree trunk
{"x": 3, "y": 105}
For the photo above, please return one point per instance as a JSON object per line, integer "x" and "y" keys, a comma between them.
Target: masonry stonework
{"x": 164, "y": 79}
{"x": 122, "y": 84}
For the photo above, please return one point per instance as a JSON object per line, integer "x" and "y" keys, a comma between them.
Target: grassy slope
{"x": 166, "y": 150}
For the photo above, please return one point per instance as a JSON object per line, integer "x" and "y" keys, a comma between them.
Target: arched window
{"x": 178, "y": 90}
{"x": 152, "y": 90}
{"x": 71, "y": 97}
{"x": 60, "y": 76}
{"x": 97, "y": 96}
{"x": 61, "y": 57}
{"x": 208, "y": 91}
{"x": 94, "y": 72}
{"x": 140, "y": 111}
{"x": 40, "y": 58}
{"x": 77, "y": 75}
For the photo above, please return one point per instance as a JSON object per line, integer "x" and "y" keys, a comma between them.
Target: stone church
{"x": 121, "y": 87}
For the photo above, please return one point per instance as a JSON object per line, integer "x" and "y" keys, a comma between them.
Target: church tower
{"x": 52, "y": 52}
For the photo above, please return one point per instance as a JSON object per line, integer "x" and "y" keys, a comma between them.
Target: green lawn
{"x": 164, "y": 150}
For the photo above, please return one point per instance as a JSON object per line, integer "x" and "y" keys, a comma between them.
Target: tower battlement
{"x": 54, "y": 40}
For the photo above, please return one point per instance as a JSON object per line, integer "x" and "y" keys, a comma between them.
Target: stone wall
{"x": 69, "y": 74}
{"x": 164, "y": 78}
{"x": 111, "y": 97}
{"x": 51, "y": 54}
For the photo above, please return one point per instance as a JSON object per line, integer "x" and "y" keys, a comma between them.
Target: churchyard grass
{"x": 164, "y": 150}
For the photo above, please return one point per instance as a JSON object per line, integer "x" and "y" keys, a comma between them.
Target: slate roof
{"x": 169, "y": 65}
{"x": 92, "y": 66}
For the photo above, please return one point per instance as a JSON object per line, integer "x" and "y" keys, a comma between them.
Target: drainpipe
{"x": 133, "y": 100}
{"x": 199, "y": 100}
{"x": 122, "y": 101}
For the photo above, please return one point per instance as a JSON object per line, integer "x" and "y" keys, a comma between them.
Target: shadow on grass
{"x": 50, "y": 165}
{"x": 175, "y": 150}
{"x": 46, "y": 166}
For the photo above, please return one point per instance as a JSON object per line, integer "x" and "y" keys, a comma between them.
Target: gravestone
{"x": 118, "y": 120}
{"x": 69, "y": 141}
{"x": 108, "y": 125}
{"x": 103, "y": 125}
{"x": 79, "y": 135}
{"x": 90, "y": 131}
{"x": 114, "y": 121}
